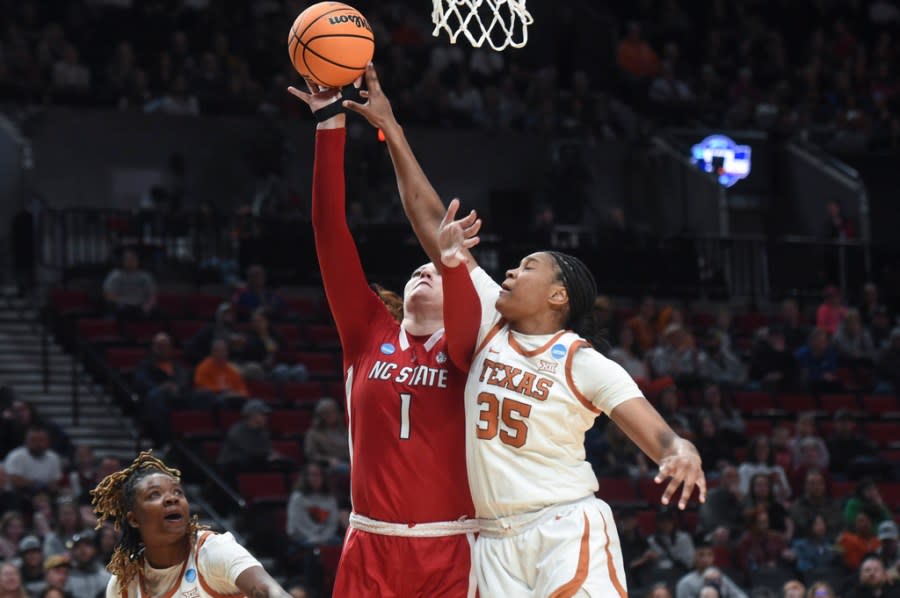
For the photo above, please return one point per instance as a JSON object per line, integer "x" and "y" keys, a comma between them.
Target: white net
{"x": 500, "y": 23}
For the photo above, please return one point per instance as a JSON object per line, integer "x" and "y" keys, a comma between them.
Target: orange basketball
{"x": 331, "y": 43}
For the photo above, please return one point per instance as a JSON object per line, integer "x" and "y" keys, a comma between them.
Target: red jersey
{"x": 404, "y": 394}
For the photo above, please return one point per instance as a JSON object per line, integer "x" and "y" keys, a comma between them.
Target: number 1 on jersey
{"x": 405, "y": 400}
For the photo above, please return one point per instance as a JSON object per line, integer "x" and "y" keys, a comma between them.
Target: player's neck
{"x": 162, "y": 556}
{"x": 421, "y": 324}
{"x": 536, "y": 325}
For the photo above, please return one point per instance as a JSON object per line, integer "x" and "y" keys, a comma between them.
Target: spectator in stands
{"x": 635, "y": 57}
{"x": 32, "y": 558}
{"x": 806, "y": 430}
{"x": 793, "y": 589}
{"x": 761, "y": 496}
{"x": 87, "y": 576}
{"x": 810, "y": 460}
{"x": 761, "y": 460}
{"x": 867, "y": 499}
{"x": 12, "y": 530}
{"x": 218, "y": 377}
{"x": 815, "y": 550}
{"x": 69, "y": 74}
{"x": 248, "y": 443}
{"x": 870, "y": 303}
{"x": 606, "y": 325}
{"x": 796, "y": 333}
{"x": 840, "y": 228}
{"x": 10, "y": 500}
{"x": 312, "y": 512}
{"x": 889, "y": 551}
{"x": 853, "y": 342}
{"x": 676, "y": 356}
{"x": 718, "y": 364}
{"x": 260, "y": 353}
{"x": 761, "y": 549}
{"x": 82, "y": 474}
{"x": 256, "y": 294}
{"x": 880, "y": 329}
{"x": 130, "y": 291}
{"x": 673, "y": 547}
{"x": 659, "y": 590}
{"x": 626, "y": 355}
{"x": 772, "y": 363}
{"x": 820, "y": 589}
{"x": 887, "y": 366}
{"x": 857, "y": 540}
{"x": 11, "y": 582}
{"x": 849, "y": 451}
{"x": 34, "y": 467}
{"x": 704, "y": 573}
{"x": 668, "y": 91}
{"x": 728, "y": 419}
{"x": 831, "y": 312}
{"x": 815, "y": 502}
{"x": 326, "y": 439}
{"x": 106, "y": 541}
{"x": 636, "y": 553}
{"x": 644, "y": 325}
{"x": 721, "y": 517}
{"x": 818, "y": 363}
{"x": 873, "y": 581}
{"x": 223, "y": 327}
{"x": 19, "y": 418}
{"x": 715, "y": 447}
{"x": 163, "y": 384}
{"x": 620, "y": 455}
{"x": 56, "y": 574}
{"x": 67, "y": 523}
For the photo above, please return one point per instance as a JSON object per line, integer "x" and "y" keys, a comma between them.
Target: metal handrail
{"x": 210, "y": 473}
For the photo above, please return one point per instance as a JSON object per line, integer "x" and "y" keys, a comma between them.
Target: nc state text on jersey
{"x": 528, "y": 384}
{"x": 421, "y": 375}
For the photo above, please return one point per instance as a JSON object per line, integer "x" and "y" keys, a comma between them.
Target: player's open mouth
{"x": 174, "y": 517}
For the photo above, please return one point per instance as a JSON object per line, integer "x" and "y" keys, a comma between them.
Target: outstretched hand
{"x": 457, "y": 236}
{"x": 316, "y": 96}
{"x": 683, "y": 467}
{"x": 377, "y": 109}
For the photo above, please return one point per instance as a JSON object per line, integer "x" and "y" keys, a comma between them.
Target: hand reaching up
{"x": 455, "y": 237}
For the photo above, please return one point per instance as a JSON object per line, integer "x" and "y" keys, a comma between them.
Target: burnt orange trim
{"x": 611, "y": 565}
{"x": 571, "y": 587}
{"x": 579, "y": 344}
{"x": 490, "y": 336}
{"x": 203, "y": 584}
{"x": 518, "y": 348}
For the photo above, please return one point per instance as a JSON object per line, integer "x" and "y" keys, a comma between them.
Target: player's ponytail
{"x": 582, "y": 290}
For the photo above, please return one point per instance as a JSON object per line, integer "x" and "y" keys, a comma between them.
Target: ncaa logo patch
{"x": 441, "y": 357}
{"x": 190, "y": 575}
{"x": 388, "y": 349}
{"x": 558, "y": 351}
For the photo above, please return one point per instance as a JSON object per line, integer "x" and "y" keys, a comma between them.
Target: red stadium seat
{"x": 185, "y": 330}
{"x": 879, "y": 404}
{"x": 301, "y": 392}
{"x": 329, "y": 557}
{"x": 290, "y": 335}
{"x": 143, "y": 332}
{"x": 204, "y": 306}
{"x": 290, "y": 449}
{"x": 125, "y": 359}
{"x": 890, "y": 456}
{"x": 318, "y": 364}
{"x": 748, "y": 401}
{"x": 170, "y": 304}
{"x": 336, "y": 390}
{"x": 890, "y": 492}
{"x": 193, "y": 423}
{"x": 841, "y": 489}
{"x": 228, "y": 419}
{"x": 755, "y": 427}
{"x": 617, "y": 490}
{"x": 211, "y": 451}
{"x": 262, "y": 487}
{"x": 324, "y": 337}
{"x": 647, "y": 522}
{"x": 651, "y": 492}
{"x": 263, "y": 389}
{"x": 883, "y": 433}
{"x": 98, "y": 330}
{"x": 689, "y": 520}
{"x": 834, "y": 402}
{"x": 66, "y": 302}
{"x": 702, "y": 320}
{"x": 748, "y": 323}
{"x": 306, "y": 308}
{"x": 290, "y": 422}
{"x": 793, "y": 403}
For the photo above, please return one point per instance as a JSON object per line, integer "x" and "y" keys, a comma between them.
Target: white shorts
{"x": 561, "y": 551}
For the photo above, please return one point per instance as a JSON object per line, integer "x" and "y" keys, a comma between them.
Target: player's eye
{"x": 154, "y": 494}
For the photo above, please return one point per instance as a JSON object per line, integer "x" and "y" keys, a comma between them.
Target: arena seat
{"x": 650, "y": 491}
{"x": 890, "y": 492}
{"x": 98, "y": 330}
{"x": 323, "y": 337}
{"x": 883, "y": 433}
{"x": 125, "y": 359}
{"x": 834, "y": 402}
{"x": 68, "y": 302}
{"x": 749, "y": 401}
{"x": 190, "y": 423}
{"x": 793, "y": 403}
{"x": 202, "y": 305}
{"x": 755, "y": 427}
{"x": 301, "y": 392}
{"x": 211, "y": 450}
{"x": 264, "y": 389}
{"x": 647, "y": 521}
{"x": 290, "y": 449}
{"x": 228, "y": 418}
{"x": 262, "y": 487}
{"x": 329, "y": 557}
{"x": 617, "y": 490}
{"x": 185, "y": 330}
{"x": 290, "y": 335}
{"x": 880, "y": 404}
{"x": 143, "y": 332}
{"x": 170, "y": 304}
{"x": 305, "y": 308}
{"x": 318, "y": 364}
{"x": 290, "y": 422}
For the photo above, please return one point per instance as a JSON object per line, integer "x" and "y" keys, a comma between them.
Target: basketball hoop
{"x": 501, "y": 23}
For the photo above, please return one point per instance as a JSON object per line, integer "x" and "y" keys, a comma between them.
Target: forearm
{"x": 646, "y": 428}
{"x": 462, "y": 314}
{"x": 256, "y": 583}
{"x": 421, "y": 202}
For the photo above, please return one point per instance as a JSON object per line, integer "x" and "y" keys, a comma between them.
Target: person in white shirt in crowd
{"x": 34, "y": 467}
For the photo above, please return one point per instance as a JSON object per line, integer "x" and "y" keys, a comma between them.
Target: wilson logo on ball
{"x": 355, "y": 19}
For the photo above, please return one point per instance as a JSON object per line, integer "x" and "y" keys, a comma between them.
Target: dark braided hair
{"x": 582, "y": 290}
{"x": 113, "y": 499}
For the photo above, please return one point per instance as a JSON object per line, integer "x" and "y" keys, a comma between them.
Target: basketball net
{"x": 483, "y": 20}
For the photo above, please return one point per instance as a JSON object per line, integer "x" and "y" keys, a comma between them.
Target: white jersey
{"x": 529, "y": 401}
{"x": 210, "y": 571}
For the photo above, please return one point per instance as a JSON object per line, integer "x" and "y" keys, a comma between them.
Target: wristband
{"x": 348, "y": 92}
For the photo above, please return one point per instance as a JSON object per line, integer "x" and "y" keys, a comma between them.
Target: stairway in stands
{"x": 101, "y": 424}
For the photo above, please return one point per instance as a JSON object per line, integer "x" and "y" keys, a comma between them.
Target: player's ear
{"x": 559, "y": 297}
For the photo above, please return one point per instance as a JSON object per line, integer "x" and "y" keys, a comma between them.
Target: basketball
{"x": 331, "y": 43}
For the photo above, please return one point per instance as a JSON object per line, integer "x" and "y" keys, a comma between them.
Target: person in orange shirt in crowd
{"x": 635, "y": 56}
{"x": 644, "y": 324}
{"x": 217, "y": 376}
{"x": 857, "y": 543}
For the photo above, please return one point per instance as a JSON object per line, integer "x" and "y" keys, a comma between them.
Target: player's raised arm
{"x": 352, "y": 302}
{"x": 462, "y": 308}
{"x": 677, "y": 457}
{"x": 421, "y": 202}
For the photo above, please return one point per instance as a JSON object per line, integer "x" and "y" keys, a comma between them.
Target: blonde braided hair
{"x": 113, "y": 499}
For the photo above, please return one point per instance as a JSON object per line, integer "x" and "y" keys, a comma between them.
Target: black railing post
{"x": 76, "y": 382}
{"x": 45, "y": 348}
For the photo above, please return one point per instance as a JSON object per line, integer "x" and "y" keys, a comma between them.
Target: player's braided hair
{"x": 582, "y": 290}
{"x": 113, "y": 498}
